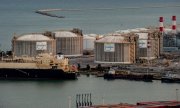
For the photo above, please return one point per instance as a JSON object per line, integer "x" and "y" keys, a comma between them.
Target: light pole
{"x": 69, "y": 102}
{"x": 2, "y": 52}
{"x": 177, "y": 94}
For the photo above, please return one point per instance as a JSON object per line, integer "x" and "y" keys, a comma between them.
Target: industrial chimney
{"x": 174, "y": 24}
{"x": 161, "y": 30}
{"x": 161, "y": 27}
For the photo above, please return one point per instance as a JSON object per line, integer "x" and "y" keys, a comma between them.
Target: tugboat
{"x": 43, "y": 66}
{"x": 170, "y": 78}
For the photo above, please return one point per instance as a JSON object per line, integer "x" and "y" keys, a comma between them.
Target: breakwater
{"x": 48, "y": 14}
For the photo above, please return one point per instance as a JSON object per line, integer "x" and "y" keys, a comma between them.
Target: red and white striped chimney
{"x": 174, "y": 24}
{"x": 149, "y": 41}
{"x": 161, "y": 27}
{"x": 149, "y": 46}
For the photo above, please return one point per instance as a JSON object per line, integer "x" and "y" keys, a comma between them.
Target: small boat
{"x": 170, "y": 78}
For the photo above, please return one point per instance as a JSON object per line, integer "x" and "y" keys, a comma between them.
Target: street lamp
{"x": 177, "y": 94}
{"x": 2, "y": 52}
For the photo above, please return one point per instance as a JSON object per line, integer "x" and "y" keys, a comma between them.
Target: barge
{"x": 112, "y": 74}
{"x": 43, "y": 66}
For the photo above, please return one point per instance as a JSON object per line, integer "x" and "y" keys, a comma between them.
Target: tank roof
{"x": 112, "y": 39}
{"x": 89, "y": 36}
{"x": 65, "y": 34}
{"x": 33, "y": 37}
{"x": 132, "y": 30}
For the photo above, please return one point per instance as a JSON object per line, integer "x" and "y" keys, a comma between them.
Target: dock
{"x": 153, "y": 104}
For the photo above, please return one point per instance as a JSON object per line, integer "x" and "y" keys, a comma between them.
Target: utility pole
{"x": 103, "y": 100}
{"x": 69, "y": 102}
{"x": 148, "y": 52}
{"x": 2, "y": 52}
{"x": 177, "y": 94}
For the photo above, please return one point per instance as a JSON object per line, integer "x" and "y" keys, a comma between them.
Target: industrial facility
{"x": 148, "y": 43}
{"x": 69, "y": 43}
{"x": 32, "y": 45}
{"x": 116, "y": 48}
{"x": 170, "y": 41}
{"x": 121, "y": 47}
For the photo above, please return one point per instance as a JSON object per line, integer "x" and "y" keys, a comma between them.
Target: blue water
{"x": 55, "y": 94}
{"x": 94, "y": 16}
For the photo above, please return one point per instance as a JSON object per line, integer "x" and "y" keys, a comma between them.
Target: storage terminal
{"x": 155, "y": 48}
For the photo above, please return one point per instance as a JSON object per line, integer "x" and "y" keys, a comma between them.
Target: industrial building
{"x": 148, "y": 44}
{"x": 116, "y": 48}
{"x": 69, "y": 43}
{"x": 33, "y": 44}
{"x": 170, "y": 41}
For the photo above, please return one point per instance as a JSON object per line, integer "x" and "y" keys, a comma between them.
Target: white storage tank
{"x": 69, "y": 43}
{"x": 148, "y": 44}
{"x": 88, "y": 41}
{"x": 33, "y": 44}
{"x": 115, "y": 49}
{"x": 146, "y": 37}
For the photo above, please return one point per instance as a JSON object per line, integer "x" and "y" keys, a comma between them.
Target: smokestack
{"x": 161, "y": 27}
{"x": 148, "y": 47}
{"x": 149, "y": 41}
{"x": 161, "y": 30}
{"x": 174, "y": 24}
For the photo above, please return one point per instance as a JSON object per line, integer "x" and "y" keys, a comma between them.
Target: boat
{"x": 170, "y": 78}
{"x": 43, "y": 66}
{"x": 113, "y": 74}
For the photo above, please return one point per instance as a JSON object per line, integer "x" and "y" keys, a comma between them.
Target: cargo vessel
{"x": 43, "y": 66}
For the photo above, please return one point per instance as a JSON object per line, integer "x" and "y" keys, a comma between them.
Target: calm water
{"x": 54, "y": 94}
{"x": 94, "y": 16}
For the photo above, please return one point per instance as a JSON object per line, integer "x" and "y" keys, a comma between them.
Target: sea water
{"x": 92, "y": 16}
{"x": 58, "y": 94}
